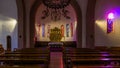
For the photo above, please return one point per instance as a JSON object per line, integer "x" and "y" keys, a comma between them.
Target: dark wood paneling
{"x": 65, "y": 44}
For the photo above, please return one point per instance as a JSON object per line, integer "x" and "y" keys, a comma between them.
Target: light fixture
{"x": 110, "y": 16}
{"x": 55, "y": 9}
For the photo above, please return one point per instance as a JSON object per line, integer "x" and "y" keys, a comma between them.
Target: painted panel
{"x": 67, "y": 30}
{"x": 62, "y": 30}
{"x": 43, "y": 30}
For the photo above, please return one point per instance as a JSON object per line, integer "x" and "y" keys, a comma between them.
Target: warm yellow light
{"x": 12, "y": 24}
{"x": 101, "y": 24}
{"x": 8, "y": 24}
{"x": 75, "y": 24}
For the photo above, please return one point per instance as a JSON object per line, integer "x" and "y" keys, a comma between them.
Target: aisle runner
{"x": 56, "y": 60}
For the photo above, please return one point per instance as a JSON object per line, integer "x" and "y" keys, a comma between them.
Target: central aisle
{"x": 56, "y": 60}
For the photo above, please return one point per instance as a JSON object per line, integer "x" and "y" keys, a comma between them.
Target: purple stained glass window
{"x": 43, "y": 30}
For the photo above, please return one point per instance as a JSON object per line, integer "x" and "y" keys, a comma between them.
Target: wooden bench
{"x": 29, "y": 53}
{"x": 20, "y": 56}
{"x": 23, "y": 66}
{"x": 83, "y": 51}
{"x": 93, "y": 55}
{"x": 108, "y": 49}
{"x": 23, "y": 60}
{"x": 92, "y": 60}
{"x": 26, "y": 57}
{"x": 89, "y": 57}
{"x": 33, "y": 50}
{"x": 84, "y": 66}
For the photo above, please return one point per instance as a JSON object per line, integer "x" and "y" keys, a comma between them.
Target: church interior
{"x": 59, "y": 33}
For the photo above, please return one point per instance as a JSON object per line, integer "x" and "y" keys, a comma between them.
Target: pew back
{"x": 26, "y": 56}
{"x": 85, "y": 56}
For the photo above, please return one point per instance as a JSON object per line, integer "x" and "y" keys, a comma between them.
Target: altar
{"x": 55, "y": 43}
{"x": 55, "y": 46}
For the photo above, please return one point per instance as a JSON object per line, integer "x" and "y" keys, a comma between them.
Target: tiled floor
{"x": 56, "y": 60}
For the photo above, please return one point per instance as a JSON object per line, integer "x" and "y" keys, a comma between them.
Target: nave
{"x": 99, "y": 57}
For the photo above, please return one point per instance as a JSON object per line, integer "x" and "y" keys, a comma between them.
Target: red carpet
{"x": 56, "y": 60}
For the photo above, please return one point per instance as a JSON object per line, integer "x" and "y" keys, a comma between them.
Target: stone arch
{"x": 78, "y": 12}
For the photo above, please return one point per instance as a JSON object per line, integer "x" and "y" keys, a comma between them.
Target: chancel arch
{"x": 76, "y": 20}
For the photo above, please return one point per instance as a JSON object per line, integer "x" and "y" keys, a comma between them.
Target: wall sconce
{"x": 110, "y": 22}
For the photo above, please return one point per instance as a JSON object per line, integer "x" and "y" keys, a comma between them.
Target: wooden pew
{"x": 115, "y": 48}
{"x": 94, "y": 61}
{"x": 23, "y": 66}
{"x": 101, "y": 48}
{"x": 20, "y": 55}
{"x": 24, "y": 61}
{"x": 96, "y": 66}
{"x": 108, "y": 49}
{"x": 33, "y": 50}
{"x": 90, "y": 60}
{"x": 85, "y": 55}
{"x": 26, "y": 57}
{"x": 28, "y": 52}
{"x": 89, "y": 57}
{"x": 83, "y": 50}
